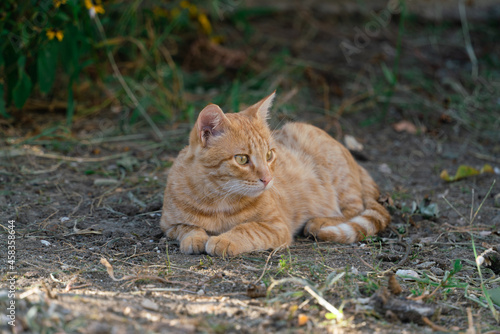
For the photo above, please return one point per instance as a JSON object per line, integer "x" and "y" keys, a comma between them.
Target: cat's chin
{"x": 258, "y": 191}
{"x": 255, "y": 193}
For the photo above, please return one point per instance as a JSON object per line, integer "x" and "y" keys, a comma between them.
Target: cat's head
{"x": 235, "y": 151}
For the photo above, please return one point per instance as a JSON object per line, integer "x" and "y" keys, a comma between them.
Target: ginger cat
{"x": 239, "y": 187}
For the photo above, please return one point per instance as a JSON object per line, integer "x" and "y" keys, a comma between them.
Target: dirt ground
{"x": 98, "y": 197}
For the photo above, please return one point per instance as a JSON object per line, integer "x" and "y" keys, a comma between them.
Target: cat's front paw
{"x": 221, "y": 246}
{"x": 194, "y": 243}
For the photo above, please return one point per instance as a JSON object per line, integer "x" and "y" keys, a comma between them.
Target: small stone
{"x": 352, "y": 144}
{"x": 127, "y": 311}
{"x": 385, "y": 169}
{"x": 150, "y": 305}
{"x": 105, "y": 182}
{"x": 200, "y": 292}
{"x": 410, "y": 273}
{"x": 437, "y": 271}
{"x": 426, "y": 265}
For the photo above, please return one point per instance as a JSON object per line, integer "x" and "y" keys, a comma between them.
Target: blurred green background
{"x": 157, "y": 63}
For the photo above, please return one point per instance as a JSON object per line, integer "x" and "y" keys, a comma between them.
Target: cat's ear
{"x": 261, "y": 108}
{"x": 210, "y": 123}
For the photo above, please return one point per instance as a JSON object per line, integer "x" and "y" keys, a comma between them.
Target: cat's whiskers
{"x": 230, "y": 191}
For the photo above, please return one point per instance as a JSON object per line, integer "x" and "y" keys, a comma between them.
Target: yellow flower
{"x": 160, "y": 12}
{"x": 205, "y": 23}
{"x": 51, "y": 33}
{"x": 193, "y": 10}
{"x": 58, "y": 3}
{"x": 174, "y": 13}
{"x": 94, "y": 8}
{"x": 216, "y": 39}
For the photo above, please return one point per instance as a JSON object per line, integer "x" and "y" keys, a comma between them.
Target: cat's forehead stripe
{"x": 257, "y": 142}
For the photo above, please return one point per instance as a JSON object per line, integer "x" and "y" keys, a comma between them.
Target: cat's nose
{"x": 266, "y": 180}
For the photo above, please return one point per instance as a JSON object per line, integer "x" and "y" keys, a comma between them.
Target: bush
{"x": 37, "y": 38}
{"x": 44, "y": 42}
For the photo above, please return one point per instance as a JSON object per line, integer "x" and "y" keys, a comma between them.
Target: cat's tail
{"x": 373, "y": 219}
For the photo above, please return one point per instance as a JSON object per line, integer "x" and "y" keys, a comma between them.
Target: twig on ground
{"x": 433, "y": 326}
{"x": 366, "y": 264}
{"x": 75, "y": 159}
{"x": 484, "y": 156}
{"x": 265, "y": 266}
{"x": 134, "y": 278}
{"x": 42, "y": 224}
{"x": 170, "y": 290}
{"x": 322, "y": 301}
{"x": 77, "y": 207}
{"x": 27, "y": 171}
{"x": 75, "y": 287}
{"x": 470, "y": 319}
{"x": 77, "y": 231}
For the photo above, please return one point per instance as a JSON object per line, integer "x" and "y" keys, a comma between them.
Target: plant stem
{"x": 124, "y": 84}
{"x": 468, "y": 44}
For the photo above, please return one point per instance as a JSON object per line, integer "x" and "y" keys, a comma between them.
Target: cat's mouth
{"x": 261, "y": 188}
{"x": 269, "y": 185}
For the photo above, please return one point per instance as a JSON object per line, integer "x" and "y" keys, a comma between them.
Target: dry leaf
{"x": 405, "y": 310}
{"x": 394, "y": 286}
{"x": 111, "y": 274}
{"x": 256, "y": 291}
{"x": 464, "y": 171}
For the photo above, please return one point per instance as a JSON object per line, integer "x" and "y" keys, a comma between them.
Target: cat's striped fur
{"x": 295, "y": 178}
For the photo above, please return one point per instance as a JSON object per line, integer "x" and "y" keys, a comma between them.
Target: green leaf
{"x": 330, "y": 316}
{"x": 22, "y": 89}
{"x": 389, "y": 75}
{"x": 457, "y": 266}
{"x": 494, "y": 295}
{"x": 445, "y": 276}
{"x": 46, "y": 66}
{"x": 428, "y": 211}
{"x": 69, "y": 54}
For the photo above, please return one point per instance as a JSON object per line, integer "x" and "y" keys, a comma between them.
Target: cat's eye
{"x": 269, "y": 155}
{"x": 241, "y": 159}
